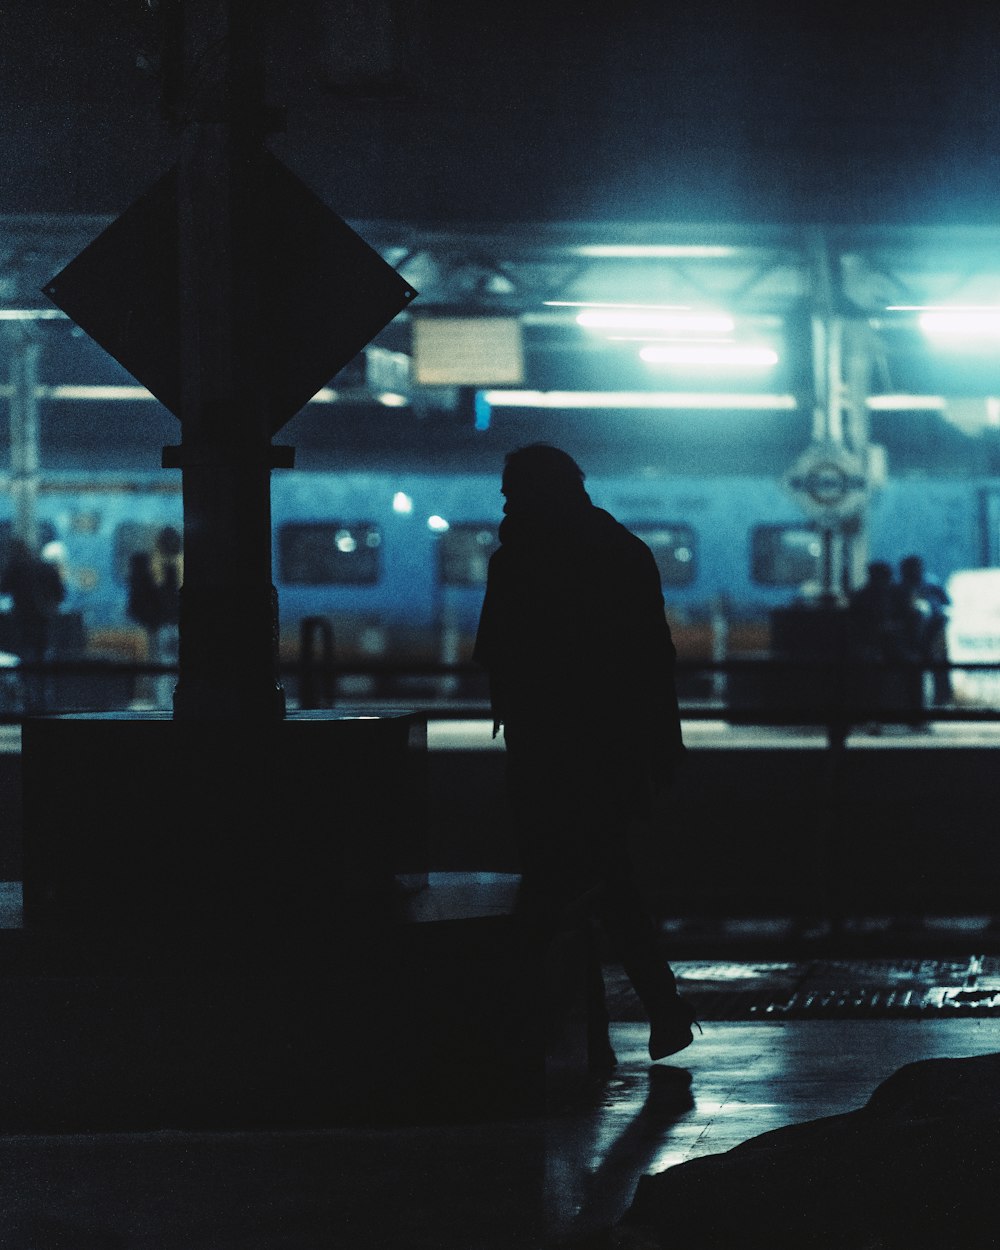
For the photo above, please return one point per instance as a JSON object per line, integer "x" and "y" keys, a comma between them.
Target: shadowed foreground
{"x": 911, "y": 1168}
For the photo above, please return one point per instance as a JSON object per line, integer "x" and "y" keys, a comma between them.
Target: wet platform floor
{"x": 497, "y": 1185}
{"x": 785, "y": 1040}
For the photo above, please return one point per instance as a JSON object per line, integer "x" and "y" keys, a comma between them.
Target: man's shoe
{"x": 671, "y": 1031}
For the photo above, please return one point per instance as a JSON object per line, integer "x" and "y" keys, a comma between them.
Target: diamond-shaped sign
{"x": 324, "y": 293}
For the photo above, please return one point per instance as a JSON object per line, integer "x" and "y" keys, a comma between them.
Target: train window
{"x": 329, "y": 553}
{"x": 784, "y": 555}
{"x": 464, "y": 553}
{"x": 675, "y": 550}
{"x": 85, "y": 521}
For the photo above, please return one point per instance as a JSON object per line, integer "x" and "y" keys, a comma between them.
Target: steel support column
{"x": 24, "y": 430}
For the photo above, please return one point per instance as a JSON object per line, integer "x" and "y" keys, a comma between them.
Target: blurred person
{"x": 923, "y": 612}
{"x": 580, "y": 659}
{"x": 154, "y": 583}
{"x": 876, "y": 646}
{"x": 872, "y": 620}
{"x": 36, "y": 590}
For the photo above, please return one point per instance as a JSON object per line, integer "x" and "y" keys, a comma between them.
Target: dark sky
{"x": 437, "y": 110}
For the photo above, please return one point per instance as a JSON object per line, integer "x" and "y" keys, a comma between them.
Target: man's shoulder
{"x": 620, "y": 537}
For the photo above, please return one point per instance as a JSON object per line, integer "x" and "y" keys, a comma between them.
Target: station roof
{"x": 772, "y": 162}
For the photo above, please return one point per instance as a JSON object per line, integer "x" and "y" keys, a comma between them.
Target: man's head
{"x": 540, "y": 478}
{"x": 168, "y": 541}
{"x": 911, "y": 571}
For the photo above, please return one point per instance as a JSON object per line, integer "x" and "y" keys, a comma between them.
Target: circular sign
{"x": 829, "y": 481}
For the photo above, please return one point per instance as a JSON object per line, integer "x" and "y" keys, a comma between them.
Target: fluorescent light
{"x": 639, "y": 399}
{"x": 402, "y": 503}
{"x": 643, "y": 319}
{"x": 970, "y": 323}
{"x": 905, "y": 403}
{"x": 93, "y": 392}
{"x": 586, "y": 303}
{"x": 82, "y": 393}
{"x": 32, "y": 314}
{"x": 653, "y": 251}
{"x": 708, "y": 354}
{"x": 942, "y": 308}
{"x": 438, "y": 524}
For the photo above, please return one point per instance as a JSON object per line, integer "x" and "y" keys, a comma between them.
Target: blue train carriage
{"x": 729, "y": 550}
{"x": 397, "y": 561}
{"x": 89, "y": 526}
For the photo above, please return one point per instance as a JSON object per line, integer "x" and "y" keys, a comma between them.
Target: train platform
{"x": 515, "y": 1184}
{"x": 783, "y": 1042}
{"x": 503, "y": 1184}
{"x": 458, "y": 730}
{"x": 802, "y": 1017}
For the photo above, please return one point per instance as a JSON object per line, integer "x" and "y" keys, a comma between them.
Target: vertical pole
{"x": 835, "y": 381}
{"x": 858, "y": 375}
{"x": 828, "y": 422}
{"x": 24, "y": 433}
{"x": 228, "y": 657}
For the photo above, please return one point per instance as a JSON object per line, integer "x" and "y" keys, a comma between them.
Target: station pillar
{"x": 228, "y": 659}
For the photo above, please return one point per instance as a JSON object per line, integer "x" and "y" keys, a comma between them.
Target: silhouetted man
{"x": 154, "y": 581}
{"x": 581, "y": 665}
{"x": 875, "y": 628}
{"x": 923, "y": 609}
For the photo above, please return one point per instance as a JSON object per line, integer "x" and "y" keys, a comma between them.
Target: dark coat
{"x": 575, "y": 639}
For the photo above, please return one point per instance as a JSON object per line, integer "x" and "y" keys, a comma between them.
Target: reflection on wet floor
{"x": 505, "y": 1184}
{"x": 501, "y": 1182}
{"x": 746, "y": 1079}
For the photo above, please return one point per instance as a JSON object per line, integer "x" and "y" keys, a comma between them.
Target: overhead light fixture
{"x": 709, "y": 354}
{"x": 32, "y": 314}
{"x": 964, "y": 323}
{"x": 88, "y": 393}
{"x": 653, "y": 251}
{"x": 905, "y": 403}
{"x": 639, "y": 399}
{"x": 594, "y": 303}
{"x": 942, "y": 308}
{"x": 645, "y": 319}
